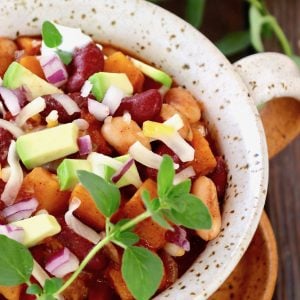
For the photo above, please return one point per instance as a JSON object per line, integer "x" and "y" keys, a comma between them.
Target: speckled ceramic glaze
{"x": 171, "y": 44}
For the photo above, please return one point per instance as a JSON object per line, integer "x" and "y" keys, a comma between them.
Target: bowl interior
{"x": 171, "y": 44}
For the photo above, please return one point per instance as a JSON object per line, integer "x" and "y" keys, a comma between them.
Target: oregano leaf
{"x": 142, "y": 271}
{"x": 16, "y": 262}
{"x": 51, "y": 36}
{"x": 106, "y": 195}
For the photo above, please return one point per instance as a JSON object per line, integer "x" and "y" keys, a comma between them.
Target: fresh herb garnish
{"x": 51, "y": 36}
{"x": 141, "y": 269}
{"x": 16, "y": 262}
{"x": 65, "y": 57}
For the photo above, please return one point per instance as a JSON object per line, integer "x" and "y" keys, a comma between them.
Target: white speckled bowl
{"x": 171, "y": 44}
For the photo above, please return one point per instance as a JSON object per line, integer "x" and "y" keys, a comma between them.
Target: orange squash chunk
{"x": 44, "y": 186}
{"x": 31, "y": 63}
{"x": 115, "y": 278}
{"x": 151, "y": 234}
{"x": 30, "y": 45}
{"x": 11, "y": 292}
{"x": 119, "y": 63}
{"x": 87, "y": 211}
{"x": 204, "y": 161}
{"x": 7, "y": 54}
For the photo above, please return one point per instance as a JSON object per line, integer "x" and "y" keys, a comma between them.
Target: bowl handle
{"x": 274, "y": 76}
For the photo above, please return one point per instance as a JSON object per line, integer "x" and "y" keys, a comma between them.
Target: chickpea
{"x": 205, "y": 189}
{"x": 168, "y": 111}
{"x": 122, "y": 134}
{"x": 185, "y": 103}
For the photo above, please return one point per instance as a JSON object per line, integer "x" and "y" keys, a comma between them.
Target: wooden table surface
{"x": 283, "y": 200}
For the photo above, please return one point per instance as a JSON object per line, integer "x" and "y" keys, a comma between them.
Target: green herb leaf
{"x": 66, "y": 57}
{"x": 34, "y": 289}
{"x": 234, "y": 42}
{"x": 194, "y": 12}
{"x": 296, "y": 59}
{"x": 142, "y": 271}
{"x": 195, "y": 216}
{"x": 154, "y": 206}
{"x": 127, "y": 238}
{"x": 106, "y": 195}
{"x": 51, "y": 36}
{"x": 52, "y": 285}
{"x": 16, "y": 262}
{"x": 165, "y": 176}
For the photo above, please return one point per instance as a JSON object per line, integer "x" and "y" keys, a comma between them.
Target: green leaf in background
{"x": 165, "y": 176}
{"x": 234, "y": 42}
{"x": 65, "y": 57}
{"x": 16, "y": 262}
{"x": 51, "y": 36}
{"x": 256, "y": 22}
{"x": 195, "y": 216}
{"x": 142, "y": 271}
{"x": 52, "y": 285}
{"x": 34, "y": 289}
{"x": 194, "y": 12}
{"x": 296, "y": 59}
{"x": 106, "y": 195}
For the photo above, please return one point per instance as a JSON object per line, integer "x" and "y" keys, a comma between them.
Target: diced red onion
{"x": 54, "y": 69}
{"x": 79, "y": 227}
{"x": 184, "y": 174}
{"x": 10, "y": 100}
{"x": 15, "y": 180}
{"x": 1, "y": 81}
{"x": 113, "y": 98}
{"x": 179, "y": 146}
{"x": 31, "y": 109}
{"x": 69, "y": 105}
{"x": 39, "y": 274}
{"x": 23, "y": 95}
{"x": 21, "y": 210}
{"x": 63, "y": 263}
{"x": 84, "y": 144}
{"x": 99, "y": 110}
{"x": 145, "y": 156}
{"x": 86, "y": 89}
{"x": 13, "y": 232}
{"x": 118, "y": 175}
{"x": 175, "y": 121}
{"x": 11, "y": 127}
{"x": 19, "y": 54}
{"x": 52, "y": 116}
{"x": 179, "y": 237}
{"x": 82, "y": 124}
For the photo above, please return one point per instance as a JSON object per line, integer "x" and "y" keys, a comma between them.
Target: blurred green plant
{"x": 262, "y": 25}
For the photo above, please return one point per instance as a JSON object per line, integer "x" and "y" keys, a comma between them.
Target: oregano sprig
{"x": 141, "y": 269}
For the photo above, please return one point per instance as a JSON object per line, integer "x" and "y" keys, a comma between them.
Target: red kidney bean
{"x": 100, "y": 290}
{"x": 149, "y": 83}
{"x": 86, "y": 61}
{"x": 142, "y": 107}
{"x": 63, "y": 116}
{"x": 219, "y": 176}
{"x": 82, "y": 102}
{"x": 5, "y": 139}
{"x": 80, "y": 247}
{"x": 162, "y": 149}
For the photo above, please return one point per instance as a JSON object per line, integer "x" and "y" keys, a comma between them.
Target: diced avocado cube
{"x": 103, "y": 80}
{"x": 155, "y": 74}
{"x": 40, "y": 147}
{"x": 130, "y": 177}
{"x": 16, "y": 76}
{"x": 37, "y": 228}
{"x": 67, "y": 172}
